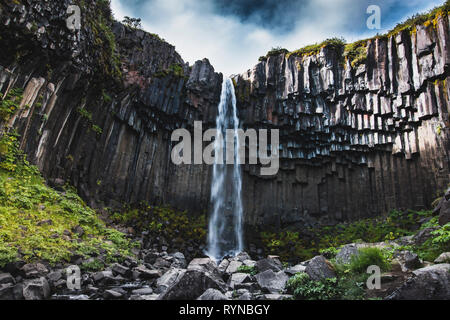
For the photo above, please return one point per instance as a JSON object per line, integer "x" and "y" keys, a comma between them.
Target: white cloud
{"x": 232, "y": 46}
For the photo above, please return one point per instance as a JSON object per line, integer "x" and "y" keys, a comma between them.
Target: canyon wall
{"x": 356, "y": 141}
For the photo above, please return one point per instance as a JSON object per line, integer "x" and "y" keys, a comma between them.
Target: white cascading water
{"x": 225, "y": 237}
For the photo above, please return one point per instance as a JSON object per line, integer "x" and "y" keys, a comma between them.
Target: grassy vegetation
{"x": 10, "y": 104}
{"x": 293, "y": 246}
{"x": 175, "y": 70}
{"x": 164, "y": 222}
{"x": 356, "y": 52}
{"x": 38, "y": 223}
{"x": 247, "y": 269}
{"x": 349, "y": 283}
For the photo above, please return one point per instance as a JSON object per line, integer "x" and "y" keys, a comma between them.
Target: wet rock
{"x": 37, "y": 289}
{"x": 212, "y": 295}
{"x": 271, "y": 281}
{"x": 430, "y": 283}
{"x": 320, "y": 268}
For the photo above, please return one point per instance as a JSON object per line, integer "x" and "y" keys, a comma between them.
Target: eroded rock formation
{"x": 356, "y": 142}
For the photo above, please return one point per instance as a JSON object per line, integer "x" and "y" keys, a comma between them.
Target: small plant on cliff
{"x": 134, "y": 23}
{"x": 10, "y": 104}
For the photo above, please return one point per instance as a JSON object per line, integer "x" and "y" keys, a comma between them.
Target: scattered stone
{"x": 151, "y": 257}
{"x": 54, "y": 276}
{"x": 223, "y": 265}
{"x": 205, "y": 265}
{"x": 243, "y": 256}
{"x": 212, "y": 295}
{"x": 250, "y": 263}
{"x": 320, "y": 268}
{"x": 7, "y": 291}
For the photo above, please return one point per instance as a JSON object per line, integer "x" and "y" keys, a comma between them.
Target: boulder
{"x": 430, "y": 283}
{"x": 443, "y": 258}
{"x": 250, "y": 263}
{"x": 179, "y": 261}
{"x": 33, "y": 270}
{"x": 320, "y": 268}
{"x": 112, "y": 294}
{"x": 212, "y": 295}
{"x": 277, "y": 297}
{"x": 345, "y": 255}
{"x": 36, "y": 289}
{"x": 273, "y": 264}
{"x": 191, "y": 285}
{"x": 271, "y": 281}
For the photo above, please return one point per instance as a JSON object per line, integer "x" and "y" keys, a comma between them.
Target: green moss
{"x": 38, "y": 223}
{"x": 334, "y": 43}
{"x": 164, "y": 221}
{"x": 247, "y": 269}
{"x": 10, "y": 104}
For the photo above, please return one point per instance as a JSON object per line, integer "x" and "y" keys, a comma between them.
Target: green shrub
{"x": 367, "y": 257}
{"x": 247, "y": 269}
{"x": 304, "y": 288}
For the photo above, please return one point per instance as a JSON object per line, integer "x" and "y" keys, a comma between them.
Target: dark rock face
{"x": 356, "y": 142}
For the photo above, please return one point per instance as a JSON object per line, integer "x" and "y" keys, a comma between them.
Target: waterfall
{"x": 225, "y": 235}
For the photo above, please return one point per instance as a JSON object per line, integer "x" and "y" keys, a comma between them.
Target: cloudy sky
{"x": 232, "y": 34}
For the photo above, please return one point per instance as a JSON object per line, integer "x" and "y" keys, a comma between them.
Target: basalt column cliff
{"x": 100, "y": 104}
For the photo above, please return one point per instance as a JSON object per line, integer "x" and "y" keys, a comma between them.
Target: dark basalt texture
{"x": 356, "y": 142}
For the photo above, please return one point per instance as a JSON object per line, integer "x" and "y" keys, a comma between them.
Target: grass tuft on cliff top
{"x": 38, "y": 223}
